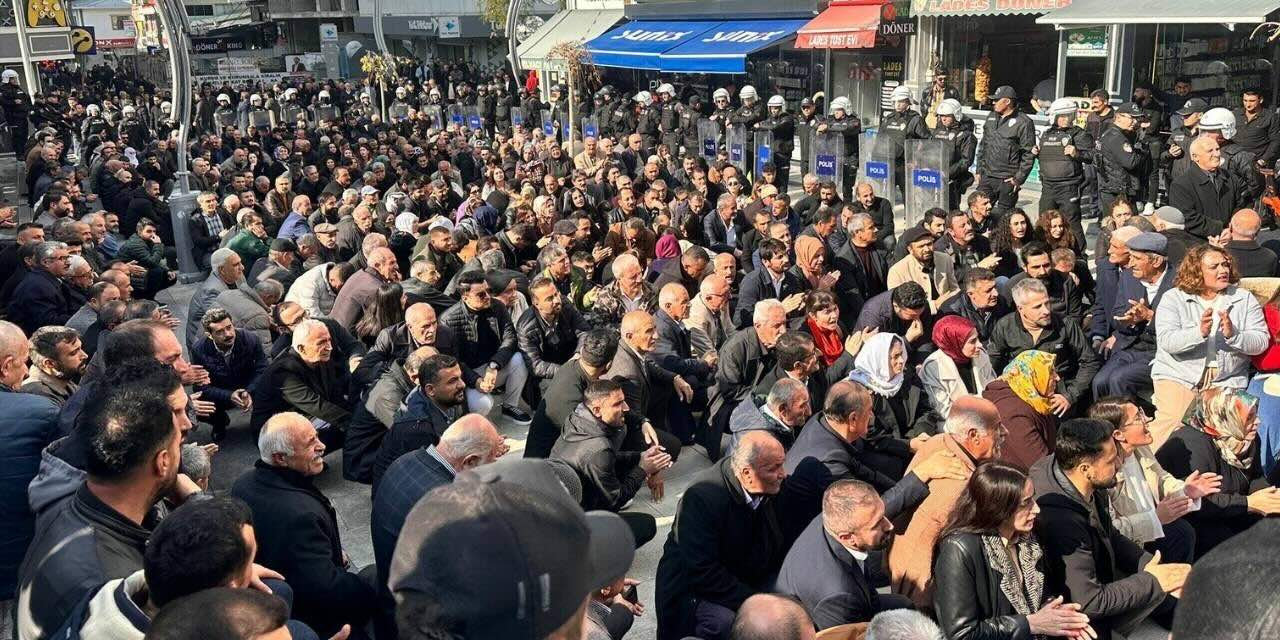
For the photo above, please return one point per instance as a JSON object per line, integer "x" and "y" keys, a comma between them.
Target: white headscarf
{"x": 871, "y": 367}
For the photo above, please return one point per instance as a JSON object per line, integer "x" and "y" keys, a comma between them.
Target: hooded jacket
{"x": 610, "y": 476}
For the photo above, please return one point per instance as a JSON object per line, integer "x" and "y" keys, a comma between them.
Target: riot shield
{"x": 708, "y": 135}
{"x": 926, "y": 187}
{"x": 877, "y": 165}
{"x": 456, "y": 118}
{"x": 590, "y": 127}
{"x": 326, "y": 112}
{"x": 826, "y": 156}
{"x": 548, "y": 125}
{"x": 517, "y": 117}
{"x": 437, "y": 116}
{"x": 735, "y": 140}
{"x": 289, "y": 114}
{"x": 260, "y": 118}
{"x": 226, "y": 118}
{"x": 398, "y": 111}
{"x": 473, "y": 118}
{"x": 763, "y": 152}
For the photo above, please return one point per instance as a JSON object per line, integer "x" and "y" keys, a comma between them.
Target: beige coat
{"x": 703, "y": 336}
{"x": 908, "y": 269}
{"x": 1143, "y": 483}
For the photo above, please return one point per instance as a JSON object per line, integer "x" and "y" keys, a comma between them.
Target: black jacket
{"x": 241, "y": 371}
{"x": 1124, "y": 164}
{"x": 1076, "y": 360}
{"x": 758, "y": 286}
{"x": 985, "y": 321}
{"x": 1222, "y": 514}
{"x": 546, "y": 348}
{"x": 1206, "y": 205}
{"x": 1065, "y": 297}
{"x": 395, "y": 343}
{"x": 640, "y": 378}
{"x": 881, "y": 212}
{"x": 1260, "y": 136}
{"x": 418, "y": 291}
{"x": 1055, "y": 164}
{"x": 610, "y": 476}
{"x": 203, "y": 243}
{"x": 298, "y": 536}
{"x": 964, "y": 147}
{"x": 855, "y": 276}
{"x": 1253, "y": 260}
{"x": 967, "y": 596}
{"x": 559, "y": 399}
{"x": 40, "y": 300}
{"x": 1086, "y": 559}
{"x": 674, "y": 352}
{"x": 488, "y": 334}
{"x": 290, "y": 384}
{"x": 719, "y": 550}
{"x": 419, "y": 424}
{"x": 371, "y": 421}
{"x": 1005, "y": 148}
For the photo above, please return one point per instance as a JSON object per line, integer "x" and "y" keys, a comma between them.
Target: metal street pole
{"x": 24, "y": 48}
{"x": 380, "y": 39}
{"x": 513, "y": 19}
{"x": 182, "y": 200}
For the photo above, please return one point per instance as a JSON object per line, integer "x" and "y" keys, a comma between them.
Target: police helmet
{"x": 840, "y": 104}
{"x": 1064, "y": 107}
{"x": 1219, "y": 119}
{"x": 255, "y": 99}
{"x": 93, "y": 109}
{"x": 720, "y": 93}
{"x": 224, "y": 98}
{"x": 949, "y": 107}
{"x": 667, "y": 89}
{"x": 644, "y": 98}
{"x": 8, "y": 76}
{"x": 778, "y": 101}
{"x": 900, "y": 93}
{"x": 747, "y": 93}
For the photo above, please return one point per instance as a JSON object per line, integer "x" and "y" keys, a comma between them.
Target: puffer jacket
{"x": 610, "y": 476}
{"x": 30, "y": 424}
{"x": 466, "y": 326}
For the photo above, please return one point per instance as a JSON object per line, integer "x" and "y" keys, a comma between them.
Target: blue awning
{"x": 638, "y": 45}
{"x": 723, "y": 47}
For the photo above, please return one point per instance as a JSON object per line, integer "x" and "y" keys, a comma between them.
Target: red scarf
{"x": 829, "y": 342}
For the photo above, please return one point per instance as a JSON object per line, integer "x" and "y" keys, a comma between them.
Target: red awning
{"x": 851, "y": 25}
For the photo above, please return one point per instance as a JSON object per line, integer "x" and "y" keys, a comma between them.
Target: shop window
{"x": 199, "y": 10}
{"x": 985, "y": 52}
{"x": 1216, "y": 64}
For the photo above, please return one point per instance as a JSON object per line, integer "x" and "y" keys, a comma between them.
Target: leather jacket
{"x": 967, "y": 595}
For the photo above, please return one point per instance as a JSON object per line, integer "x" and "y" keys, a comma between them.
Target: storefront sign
{"x": 743, "y": 36}
{"x": 898, "y": 28}
{"x": 926, "y": 178}
{"x": 426, "y": 25}
{"x": 646, "y": 35}
{"x": 83, "y": 41}
{"x": 983, "y": 7}
{"x": 1087, "y": 43}
{"x": 878, "y": 170}
{"x": 450, "y": 27}
{"x": 847, "y": 40}
{"x": 216, "y": 44}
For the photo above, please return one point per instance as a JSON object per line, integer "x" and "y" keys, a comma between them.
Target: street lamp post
{"x": 182, "y": 200}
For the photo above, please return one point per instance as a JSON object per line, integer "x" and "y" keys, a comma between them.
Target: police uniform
{"x": 1005, "y": 152}
{"x": 670, "y": 115}
{"x": 224, "y": 117}
{"x": 647, "y": 127}
{"x": 15, "y": 106}
{"x": 850, "y": 128}
{"x": 689, "y": 117}
{"x": 963, "y": 147}
{"x": 783, "y": 127}
{"x": 1062, "y": 176}
{"x": 623, "y": 121}
{"x": 747, "y": 117}
{"x": 805, "y": 126}
{"x": 1124, "y": 167}
{"x": 898, "y": 127}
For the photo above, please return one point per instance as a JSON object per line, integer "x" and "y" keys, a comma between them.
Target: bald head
{"x": 471, "y": 441}
{"x": 1245, "y": 224}
{"x": 774, "y": 617}
{"x": 973, "y": 411}
{"x": 14, "y": 350}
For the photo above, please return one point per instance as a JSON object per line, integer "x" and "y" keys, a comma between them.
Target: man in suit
{"x": 297, "y": 527}
{"x": 934, "y": 272}
{"x": 725, "y": 544}
{"x": 439, "y": 400}
{"x": 833, "y": 567}
{"x": 774, "y": 281}
{"x": 227, "y": 272}
{"x": 209, "y": 227}
{"x": 235, "y": 359}
{"x": 596, "y": 351}
{"x": 1132, "y": 345}
{"x": 674, "y": 352}
{"x": 641, "y": 378}
{"x": 306, "y": 379}
{"x": 42, "y": 297}
{"x": 687, "y": 271}
{"x": 548, "y": 331}
{"x": 1206, "y": 194}
{"x": 743, "y": 362}
{"x": 279, "y": 265}
{"x": 1252, "y": 260}
{"x": 710, "y": 322}
{"x": 863, "y": 265}
{"x": 725, "y": 229}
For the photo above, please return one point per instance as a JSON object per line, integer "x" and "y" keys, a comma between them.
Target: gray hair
{"x": 274, "y": 437}
{"x": 492, "y": 260}
{"x": 764, "y": 308}
{"x": 784, "y": 391}
{"x": 220, "y": 257}
{"x": 550, "y": 253}
{"x": 959, "y": 421}
{"x": 748, "y": 450}
{"x": 88, "y": 218}
{"x": 45, "y": 250}
{"x": 623, "y": 262}
{"x": 309, "y": 241}
{"x": 78, "y": 262}
{"x": 466, "y": 437}
{"x": 860, "y": 221}
{"x": 418, "y": 268}
{"x": 304, "y": 331}
{"x": 1025, "y": 288}
{"x": 726, "y": 198}
{"x": 12, "y": 339}
{"x": 903, "y": 624}
{"x": 195, "y": 462}
{"x": 268, "y": 288}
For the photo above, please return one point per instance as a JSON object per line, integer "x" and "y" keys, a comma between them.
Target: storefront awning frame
{"x": 570, "y": 24}
{"x": 1103, "y": 12}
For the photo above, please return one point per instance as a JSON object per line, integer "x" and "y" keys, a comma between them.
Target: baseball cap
{"x": 768, "y": 190}
{"x": 1004, "y": 91}
{"x": 1194, "y": 105}
{"x": 505, "y": 552}
{"x": 1131, "y": 109}
{"x": 368, "y": 190}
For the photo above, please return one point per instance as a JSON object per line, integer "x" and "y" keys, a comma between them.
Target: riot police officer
{"x": 689, "y": 117}
{"x": 669, "y": 117}
{"x": 623, "y": 120}
{"x": 487, "y": 104}
{"x": 1005, "y": 153}
{"x": 559, "y": 107}
{"x": 1177, "y": 153}
{"x": 532, "y": 110}
{"x": 256, "y": 115}
{"x": 783, "y": 126}
{"x": 324, "y": 108}
{"x": 846, "y": 124}
{"x": 1124, "y": 166}
{"x": 225, "y": 115}
{"x": 165, "y": 123}
{"x": 722, "y": 110}
{"x": 502, "y": 104}
{"x": 1063, "y": 150}
{"x": 94, "y": 124}
{"x": 399, "y": 108}
{"x": 646, "y": 122}
{"x": 1220, "y": 124}
{"x": 900, "y": 125}
{"x": 806, "y": 123}
{"x": 15, "y": 105}
{"x": 136, "y": 133}
{"x": 958, "y": 132}
{"x": 746, "y": 116}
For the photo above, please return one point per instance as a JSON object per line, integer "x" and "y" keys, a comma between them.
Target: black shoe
{"x": 516, "y": 415}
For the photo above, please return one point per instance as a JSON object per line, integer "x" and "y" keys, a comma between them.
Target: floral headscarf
{"x": 1029, "y": 375}
{"x": 1224, "y": 415}
{"x": 950, "y": 333}
{"x": 871, "y": 367}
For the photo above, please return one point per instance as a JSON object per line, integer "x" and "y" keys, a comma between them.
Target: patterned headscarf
{"x": 1224, "y": 415}
{"x": 1029, "y": 375}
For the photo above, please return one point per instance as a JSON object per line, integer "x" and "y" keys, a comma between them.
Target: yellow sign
{"x": 81, "y": 41}
{"x": 46, "y": 13}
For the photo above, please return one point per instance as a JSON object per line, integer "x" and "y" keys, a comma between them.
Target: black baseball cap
{"x": 1004, "y": 91}
{"x": 1131, "y": 109}
{"x": 506, "y": 552}
{"x": 1194, "y": 105}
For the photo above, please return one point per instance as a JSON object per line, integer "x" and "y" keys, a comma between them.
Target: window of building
{"x": 199, "y": 10}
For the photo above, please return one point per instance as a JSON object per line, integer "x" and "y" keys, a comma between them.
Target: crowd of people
{"x": 972, "y": 427}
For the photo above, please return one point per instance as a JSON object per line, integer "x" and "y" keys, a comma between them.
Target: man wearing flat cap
{"x": 280, "y": 264}
{"x": 1005, "y": 152}
{"x": 933, "y": 271}
{"x": 1132, "y": 344}
{"x": 1125, "y": 159}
